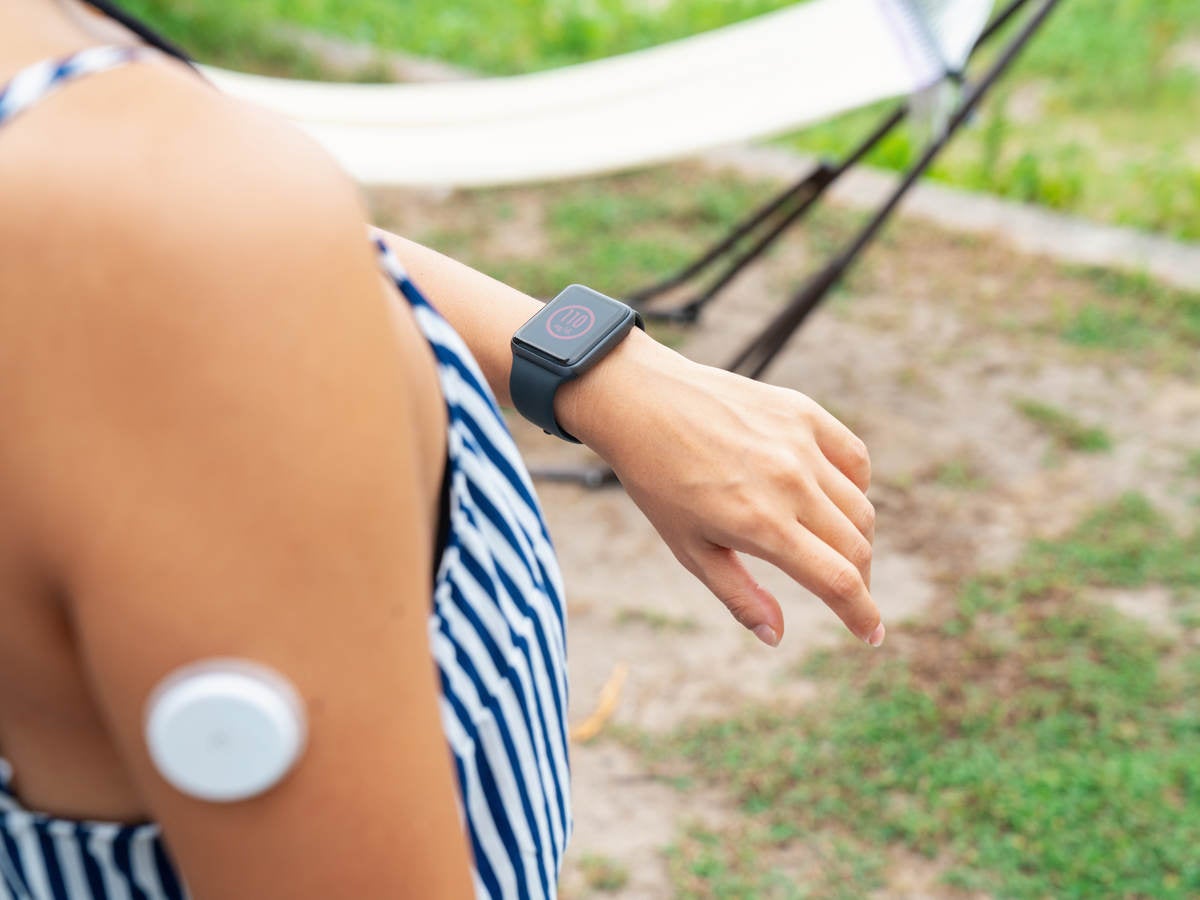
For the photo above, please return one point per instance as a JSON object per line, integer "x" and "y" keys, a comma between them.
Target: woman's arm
{"x": 223, "y": 446}
{"x": 720, "y": 464}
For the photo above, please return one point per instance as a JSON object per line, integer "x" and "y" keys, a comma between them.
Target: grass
{"x": 1126, "y": 545}
{"x": 1096, "y": 119}
{"x": 519, "y": 36}
{"x": 1067, "y": 432}
{"x": 655, "y": 620}
{"x": 1192, "y": 464}
{"x": 239, "y": 36}
{"x": 1132, "y": 313}
{"x": 744, "y": 863}
{"x": 616, "y": 233}
{"x": 643, "y": 227}
{"x": 959, "y": 475}
{"x": 602, "y": 873}
{"x": 1034, "y": 744}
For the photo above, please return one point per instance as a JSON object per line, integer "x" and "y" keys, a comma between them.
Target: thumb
{"x": 723, "y": 573}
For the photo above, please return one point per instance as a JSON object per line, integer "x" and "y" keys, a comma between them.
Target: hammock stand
{"x": 767, "y": 224}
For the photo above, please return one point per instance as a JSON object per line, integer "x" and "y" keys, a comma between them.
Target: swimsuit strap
{"x": 42, "y": 79}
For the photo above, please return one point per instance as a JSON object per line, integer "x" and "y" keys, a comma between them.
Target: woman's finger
{"x": 811, "y": 562}
{"x": 842, "y": 447}
{"x": 751, "y": 604}
{"x": 848, "y": 498}
{"x": 822, "y": 517}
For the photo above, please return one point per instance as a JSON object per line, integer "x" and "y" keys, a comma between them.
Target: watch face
{"x": 573, "y": 324}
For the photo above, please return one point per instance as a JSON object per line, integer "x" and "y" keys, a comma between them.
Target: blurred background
{"x": 1032, "y": 727}
{"x": 1100, "y": 117}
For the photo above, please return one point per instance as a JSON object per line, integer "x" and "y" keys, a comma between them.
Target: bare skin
{"x": 218, "y": 440}
{"x": 221, "y": 436}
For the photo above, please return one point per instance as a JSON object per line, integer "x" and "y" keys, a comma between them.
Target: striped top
{"x": 496, "y": 629}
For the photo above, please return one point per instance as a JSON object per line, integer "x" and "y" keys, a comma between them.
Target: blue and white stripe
{"x": 497, "y": 632}
{"x": 44, "y": 858}
{"x": 33, "y": 83}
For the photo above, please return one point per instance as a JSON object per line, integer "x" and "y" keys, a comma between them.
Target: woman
{"x": 226, "y": 436}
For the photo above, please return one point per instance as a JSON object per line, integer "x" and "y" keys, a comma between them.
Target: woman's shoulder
{"x": 147, "y": 163}
{"x": 141, "y": 192}
{"x": 159, "y": 242}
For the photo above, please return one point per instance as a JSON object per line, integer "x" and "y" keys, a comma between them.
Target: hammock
{"x": 803, "y": 64}
{"x": 774, "y": 73}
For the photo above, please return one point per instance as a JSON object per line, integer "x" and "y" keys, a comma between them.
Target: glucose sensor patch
{"x": 225, "y": 729}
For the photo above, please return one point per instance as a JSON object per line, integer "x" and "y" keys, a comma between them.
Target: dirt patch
{"x": 1153, "y": 606}
{"x": 639, "y": 817}
{"x": 1027, "y": 102}
{"x": 501, "y": 227}
{"x": 924, "y": 356}
{"x": 1186, "y": 55}
{"x": 914, "y": 877}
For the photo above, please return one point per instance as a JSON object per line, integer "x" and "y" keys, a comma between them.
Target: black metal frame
{"x": 765, "y": 225}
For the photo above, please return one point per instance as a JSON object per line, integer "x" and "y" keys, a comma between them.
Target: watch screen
{"x": 573, "y": 324}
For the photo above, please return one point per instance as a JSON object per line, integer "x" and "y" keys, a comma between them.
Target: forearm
{"x": 486, "y": 313}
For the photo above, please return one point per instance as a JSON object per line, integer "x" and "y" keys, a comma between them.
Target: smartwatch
{"x": 568, "y": 336}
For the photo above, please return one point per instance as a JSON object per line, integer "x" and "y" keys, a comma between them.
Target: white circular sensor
{"x": 225, "y": 730}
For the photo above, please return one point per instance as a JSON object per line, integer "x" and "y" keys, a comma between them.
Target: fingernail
{"x": 767, "y": 635}
{"x": 877, "y": 635}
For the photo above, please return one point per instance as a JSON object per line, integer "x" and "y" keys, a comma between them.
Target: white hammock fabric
{"x": 777, "y": 72}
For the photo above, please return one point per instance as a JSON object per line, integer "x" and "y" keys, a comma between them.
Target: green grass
{"x": 239, "y": 35}
{"x": 736, "y": 863}
{"x": 1036, "y": 744}
{"x": 654, "y": 620}
{"x": 1132, "y": 312}
{"x": 1192, "y": 464}
{"x": 1106, "y": 328}
{"x": 602, "y": 873}
{"x": 959, "y": 475}
{"x": 1067, "y": 432}
{"x": 707, "y": 863}
{"x": 1126, "y": 545}
{"x": 615, "y": 233}
{"x": 500, "y": 38}
{"x": 1096, "y": 119}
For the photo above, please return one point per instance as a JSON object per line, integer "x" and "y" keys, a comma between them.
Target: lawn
{"x": 1034, "y": 743}
{"x": 1098, "y": 119}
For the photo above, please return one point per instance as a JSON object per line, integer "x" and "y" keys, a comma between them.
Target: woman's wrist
{"x": 599, "y": 407}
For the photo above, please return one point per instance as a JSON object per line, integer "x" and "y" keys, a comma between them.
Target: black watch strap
{"x": 562, "y": 341}
{"x": 533, "y": 388}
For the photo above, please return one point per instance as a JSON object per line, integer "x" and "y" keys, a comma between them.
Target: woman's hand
{"x": 722, "y": 465}
{"x": 718, "y": 463}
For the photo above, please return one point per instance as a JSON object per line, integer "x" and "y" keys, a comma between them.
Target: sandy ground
{"x": 923, "y": 356}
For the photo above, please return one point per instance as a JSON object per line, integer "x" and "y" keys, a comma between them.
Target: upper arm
{"x": 221, "y": 459}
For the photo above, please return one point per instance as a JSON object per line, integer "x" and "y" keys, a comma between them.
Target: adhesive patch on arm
{"x": 225, "y": 730}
